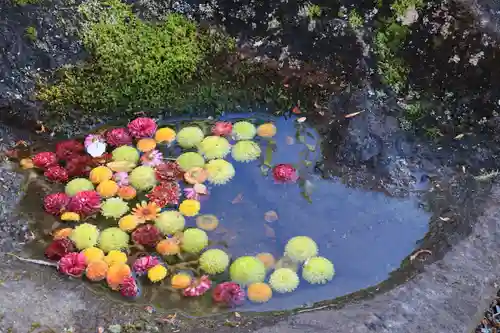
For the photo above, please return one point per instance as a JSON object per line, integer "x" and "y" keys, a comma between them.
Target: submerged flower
{"x": 56, "y": 173}
{"x": 229, "y": 294}
{"x": 113, "y": 239}
{"x": 207, "y": 222}
{"x": 267, "y": 259}
{"x": 284, "y": 280}
{"x": 169, "y": 222}
{"x": 168, "y": 247}
{"x": 78, "y": 185}
{"x": 219, "y": 171}
{"x": 168, "y": 171}
{"x": 84, "y": 236}
{"x": 157, "y": 273}
{"x": 142, "y": 178}
{"x": 189, "y": 207}
{"x": 107, "y": 188}
{"x": 214, "y": 261}
{"x": 164, "y": 194}
{"x": 72, "y": 264}
{"x": 245, "y": 151}
{"x": 190, "y": 160}
{"x": 129, "y": 288}
{"x": 222, "y": 128}
{"x": 59, "y": 248}
{"x": 143, "y": 264}
{"x": 99, "y": 174}
{"x": 115, "y": 257}
{"x": 79, "y": 165}
{"x": 85, "y": 203}
{"x": 147, "y": 235}
{"x": 125, "y": 154}
{"x": 127, "y": 192}
{"x": 246, "y": 270}
{"x": 62, "y": 233}
{"x": 118, "y": 137}
{"x": 267, "y": 130}
{"x": 301, "y": 248}
{"x": 259, "y": 292}
{"x": 190, "y": 136}
{"x": 142, "y": 127}
{"x": 121, "y": 178}
{"x": 195, "y": 175}
{"x": 55, "y": 203}
{"x": 114, "y": 208}
{"x": 146, "y": 211}
{"x": 214, "y": 147}
{"x": 285, "y": 173}
{"x": 66, "y": 150}
{"x": 244, "y": 130}
{"x": 152, "y": 158}
{"x": 194, "y": 240}
{"x": 181, "y": 280}
{"x": 318, "y": 270}
{"x": 128, "y": 222}
{"x": 96, "y": 270}
{"x": 146, "y": 145}
{"x": 117, "y": 274}
{"x": 198, "y": 287}
{"x": 44, "y": 160}
{"x": 165, "y": 134}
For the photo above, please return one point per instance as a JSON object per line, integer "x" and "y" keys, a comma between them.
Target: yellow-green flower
{"x": 214, "y": 147}
{"x": 219, "y": 171}
{"x": 245, "y": 151}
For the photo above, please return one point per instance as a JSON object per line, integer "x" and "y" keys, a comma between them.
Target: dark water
{"x": 366, "y": 234}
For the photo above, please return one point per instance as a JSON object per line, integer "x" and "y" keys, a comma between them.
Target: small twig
{"x": 34, "y": 261}
{"x": 419, "y": 252}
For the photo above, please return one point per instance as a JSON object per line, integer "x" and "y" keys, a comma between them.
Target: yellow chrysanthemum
{"x": 189, "y": 207}
{"x": 165, "y": 134}
{"x": 128, "y": 223}
{"x": 107, "y": 188}
{"x": 100, "y": 174}
{"x": 115, "y": 257}
{"x": 157, "y": 273}
{"x": 93, "y": 254}
{"x": 70, "y": 216}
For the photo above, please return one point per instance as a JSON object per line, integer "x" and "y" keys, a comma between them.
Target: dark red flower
{"x": 56, "y": 173}
{"x": 142, "y": 264}
{"x": 229, "y": 294}
{"x": 222, "y": 128}
{"x": 65, "y": 150}
{"x": 59, "y": 248}
{"x": 169, "y": 171}
{"x": 147, "y": 235}
{"x": 142, "y": 127}
{"x": 164, "y": 194}
{"x": 73, "y": 264}
{"x": 285, "y": 173}
{"x": 129, "y": 287}
{"x": 85, "y": 203}
{"x": 56, "y": 203}
{"x": 79, "y": 165}
{"x": 44, "y": 160}
{"x": 118, "y": 137}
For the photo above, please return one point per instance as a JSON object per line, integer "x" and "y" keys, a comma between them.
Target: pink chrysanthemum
{"x": 129, "y": 287}
{"x": 152, "y": 158}
{"x": 168, "y": 172}
{"x": 142, "y": 127}
{"x": 79, "y": 165}
{"x": 85, "y": 203}
{"x": 73, "y": 264}
{"x": 198, "y": 287}
{"x": 229, "y": 294}
{"x": 44, "y": 160}
{"x": 147, "y": 235}
{"x": 56, "y": 203}
{"x": 164, "y": 194}
{"x": 59, "y": 248}
{"x": 222, "y": 128}
{"x": 66, "y": 150}
{"x": 56, "y": 173}
{"x": 198, "y": 192}
{"x": 118, "y": 137}
{"x": 91, "y": 138}
{"x": 121, "y": 178}
{"x": 143, "y": 264}
{"x": 285, "y": 173}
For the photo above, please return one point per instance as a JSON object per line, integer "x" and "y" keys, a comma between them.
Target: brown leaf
{"x": 350, "y": 115}
{"x": 270, "y": 216}
{"x": 289, "y": 140}
{"x": 269, "y": 232}
{"x": 237, "y": 199}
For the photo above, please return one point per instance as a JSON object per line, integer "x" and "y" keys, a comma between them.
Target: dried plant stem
{"x": 34, "y": 261}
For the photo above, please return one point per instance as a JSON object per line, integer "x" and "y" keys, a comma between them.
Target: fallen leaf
{"x": 270, "y": 216}
{"x": 458, "y": 137}
{"x": 301, "y": 119}
{"x": 237, "y": 315}
{"x": 445, "y": 219}
{"x": 237, "y": 199}
{"x": 350, "y": 115}
{"x": 419, "y": 252}
{"x": 269, "y": 232}
{"x": 289, "y": 140}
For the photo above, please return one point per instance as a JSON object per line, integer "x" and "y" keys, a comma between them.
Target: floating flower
{"x": 127, "y": 192}
{"x": 96, "y": 270}
{"x": 84, "y": 236}
{"x": 169, "y": 222}
{"x": 117, "y": 274}
{"x": 229, "y": 294}
{"x": 118, "y": 137}
{"x": 214, "y": 261}
{"x": 92, "y": 138}
{"x": 194, "y": 240}
{"x": 259, "y": 292}
{"x": 246, "y": 270}
{"x": 143, "y": 178}
{"x": 128, "y": 223}
{"x": 165, "y": 134}
{"x": 168, "y": 172}
{"x": 107, "y": 188}
{"x": 222, "y": 128}
{"x": 121, "y": 166}
{"x": 190, "y": 137}
{"x": 59, "y": 248}
{"x": 318, "y": 270}
{"x": 245, "y": 151}
{"x": 207, "y": 222}
{"x": 145, "y": 145}
{"x": 267, "y": 130}
{"x": 62, "y": 233}
{"x": 214, "y": 147}
{"x": 113, "y": 239}
{"x": 78, "y": 185}
{"x": 165, "y": 194}
{"x": 168, "y": 247}
{"x": 142, "y": 127}
{"x": 115, "y": 257}
{"x": 79, "y": 165}
{"x": 152, "y": 158}
{"x": 195, "y": 176}
{"x": 92, "y": 254}
{"x": 146, "y": 211}
{"x": 267, "y": 259}
{"x": 285, "y": 173}
{"x": 284, "y": 280}
{"x": 219, "y": 171}
{"x": 143, "y": 264}
{"x": 301, "y": 248}
{"x": 125, "y": 154}
{"x": 181, "y": 281}
{"x": 26, "y": 163}
{"x": 44, "y": 160}
{"x": 129, "y": 288}
{"x": 56, "y": 173}
{"x": 70, "y": 216}
{"x": 114, "y": 208}
{"x": 96, "y": 149}
{"x": 72, "y": 264}
{"x": 85, "y": 203}
{"x": 157, "y": 273}
{"x": 147, "y": 235}
{"x": 198, "y": 287}
{"x": 197, "y": 192}
{"x": 189, "y": 207}
{"x": 244, "y": 130}
{"x": 121, "y": 178}
{"x": 55, "y": 203}
{"x": 99, "y": 174}
{"x": 190, "y": 160}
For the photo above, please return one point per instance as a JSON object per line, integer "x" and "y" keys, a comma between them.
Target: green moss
{"x": 31, "y": 33}
{"x": 313, "y": 11}
{"x": 400, "y": 7}
{"x": 25, "y": 2}
{"x": 355, "y": 20}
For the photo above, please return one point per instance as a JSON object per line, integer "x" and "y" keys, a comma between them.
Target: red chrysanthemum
{"x": 229, "y": 294}
{"x": 59, "y": 248}
{"x": 56, "y": 173}
{"x": 285, "y": 173}
{"x": 142, "y": 127}
{"x": 147, "y": 235}
{"x": 85, "y": 203}
{"x": 79, "y": 165}
{"x": 44, "y": 160}
{"x": 164, "y": 194}
{"x": 169, "y": 171}
{"x": 118, "y": 137}
{"x": 198, "y": 287}
{"x": 73, "y": 264}
{"x": 65, "y": 150}
{"x": 56, "y": 203}
{"x": 129, "y": 287}
{"x": 222, "y": 128}
{"x": 142, "y": 264}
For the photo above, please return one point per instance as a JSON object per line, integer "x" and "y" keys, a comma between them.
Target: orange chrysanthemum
{"x": 146, "y": 211}
{"x": 168, "y": 247}
{"x": 146, "y": 145}
{"x": 116, "y": 274}
{"x": 96, "y": 270}
{"x": 127, "y": 192}
{"x": 181, "y": 281}
{"x": 62, "y": 233}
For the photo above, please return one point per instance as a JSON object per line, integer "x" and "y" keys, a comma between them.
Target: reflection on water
{"x": 365, "y": 234}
